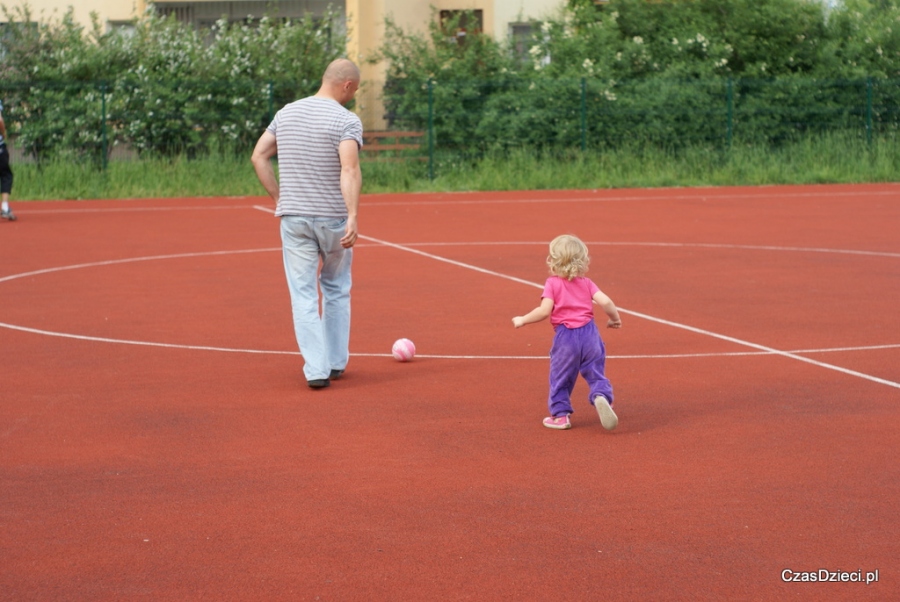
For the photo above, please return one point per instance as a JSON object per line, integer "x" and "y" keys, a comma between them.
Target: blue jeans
{"x": 324, "y": 340}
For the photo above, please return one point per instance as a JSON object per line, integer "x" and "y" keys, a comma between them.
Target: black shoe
{"x": 318, "y": 383}
{"x": 336, "y": 374}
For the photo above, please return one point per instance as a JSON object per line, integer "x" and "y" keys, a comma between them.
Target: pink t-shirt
{"x": 572, "y": 300}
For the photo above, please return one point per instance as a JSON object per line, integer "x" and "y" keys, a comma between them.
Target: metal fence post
{"x": 730, "y": 102}
{"x": 430, "y": 129}
{"x": 869, "y": 110}
{"x": 105, "y": 145}
{"x": 583, "y": 114}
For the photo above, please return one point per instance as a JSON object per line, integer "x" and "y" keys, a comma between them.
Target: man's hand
{"x": 350, "y": 234}
{"x": 265, "y": 149}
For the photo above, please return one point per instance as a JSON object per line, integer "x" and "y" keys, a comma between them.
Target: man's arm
{"x": 351, "y": 185}
{"x": 266, "y": 148}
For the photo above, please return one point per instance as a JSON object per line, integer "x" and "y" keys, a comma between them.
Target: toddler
{"x": 577, "y": 347}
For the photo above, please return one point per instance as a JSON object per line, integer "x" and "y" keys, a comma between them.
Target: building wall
{"x": 522, "y": 11}
{"x": 108, "y": 11}
{"x": 204, "y": 12}
{"x": 366, "y": 31}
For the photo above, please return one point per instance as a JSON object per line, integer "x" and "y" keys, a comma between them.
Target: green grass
{"x": 179, "y": 177}
{"x": 829, "y": 159}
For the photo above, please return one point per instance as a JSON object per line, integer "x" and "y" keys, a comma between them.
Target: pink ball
{"x": 403, "y": 350}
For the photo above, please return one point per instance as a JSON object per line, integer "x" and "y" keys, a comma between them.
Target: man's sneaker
{"x": 608, "y": 418}
{"x": 558, "y": 422}
{"x": 8, "y": 215}
{"x": 336, "y": 374}
{"x": 318, "y": 383}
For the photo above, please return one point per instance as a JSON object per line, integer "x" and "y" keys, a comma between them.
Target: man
{"x": 316, "y": 196}
{"x": 6, "y": 174}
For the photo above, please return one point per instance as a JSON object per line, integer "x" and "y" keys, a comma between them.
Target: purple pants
{"x": 577, "y": 351}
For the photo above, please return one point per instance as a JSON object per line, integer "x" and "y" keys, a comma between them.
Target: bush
{"x": 163, "y": 89}
{"x": 671, "y": 73}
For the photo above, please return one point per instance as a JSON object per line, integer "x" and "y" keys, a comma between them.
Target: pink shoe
{"x": 608, "y": 418}
{"x": 559, "y": 422}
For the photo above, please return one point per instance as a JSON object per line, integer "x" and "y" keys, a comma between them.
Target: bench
{"x": 377, "y": 142}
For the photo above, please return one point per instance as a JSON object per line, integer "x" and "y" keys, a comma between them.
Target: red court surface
{"x": 158, "y": 442}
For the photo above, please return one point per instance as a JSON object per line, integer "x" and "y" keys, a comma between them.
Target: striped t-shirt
{"x": 307, "y": 133}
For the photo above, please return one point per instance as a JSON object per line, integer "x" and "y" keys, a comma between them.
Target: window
{"x": 520, "y": 36}
{"x": 182, "y": 13}
{"x": 203, "y": 14}
{"x": 4, "y": 35}
{"x": 462, "y": 22}
{"x": 123, "y": 28}
{"x": 9, "y": 31}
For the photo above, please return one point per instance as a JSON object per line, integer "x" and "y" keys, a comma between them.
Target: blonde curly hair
{"x": 568, "y": 257}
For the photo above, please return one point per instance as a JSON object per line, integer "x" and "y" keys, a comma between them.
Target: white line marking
{"x": 664, "y": 245}
{"x": 762, "y": 349}
{"x": 80, "y": 337}
{"x": 654, "y": 319}
{"x": 450, "y": 261}
{"x": 134, "y": 260}
{"x": 707, "y": 194}
{"x": 788, "y": 354}
{"x": 457, "y": 198}
{"x": 127, "y": 209}
{"x": 409, "y": 247}
{"x": 837, "y": 349}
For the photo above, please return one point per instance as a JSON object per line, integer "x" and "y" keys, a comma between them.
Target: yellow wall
{"x": 366, "y": 32}
{"x": 107, "y": 10}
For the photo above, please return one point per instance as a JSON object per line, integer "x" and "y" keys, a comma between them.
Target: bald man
{"x": 316, "y": 197}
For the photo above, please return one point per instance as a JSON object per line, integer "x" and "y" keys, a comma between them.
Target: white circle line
{"x": 720, "y": 193}
{"x": 54, "y": 211}
{"x": 94, "y": 264}
{"x": 488, "y": 272}
{"x": 675, "y": 245}
{"x": 81, "y": 337}
{"x": 445, "y": 244}
{"x": 706, "y": 194}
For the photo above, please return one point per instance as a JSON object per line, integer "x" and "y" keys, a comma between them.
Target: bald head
{"x": 340, "y": 81}
{"x": 340, "y": 71}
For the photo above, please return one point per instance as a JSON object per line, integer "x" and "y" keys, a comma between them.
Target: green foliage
{"x": 162, "y": 87}
{"x": 864, "y": 39}
{"x": 674, "y": 72}
{"x": 473, "y": 65}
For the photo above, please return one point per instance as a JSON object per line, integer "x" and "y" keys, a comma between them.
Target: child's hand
{"x": 518, "y": 321}
{"x": 614, "y": 323}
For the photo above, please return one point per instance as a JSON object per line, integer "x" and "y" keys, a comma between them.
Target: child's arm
{"x": 609, "y": 308}
{"x": 541, "y": 312}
